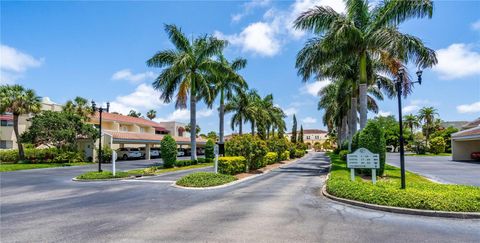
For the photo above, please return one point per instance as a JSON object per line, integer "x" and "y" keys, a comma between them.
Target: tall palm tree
{"x": 427, "y": 115}
{"x": 254, "y": 111}
{"x": 151, "y": 114}
{"x": 365, "y": 34}
{"x": 228, "y": 84}
{"x": 238, "y": 105}
{"x": 17, "y": 100}
{"x": 78, "y": 106}
{"x": 411, "y": 121}
{"x": 186, "y": 68}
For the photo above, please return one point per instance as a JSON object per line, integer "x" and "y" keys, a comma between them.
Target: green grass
{"x": 429, "y": 154}
{"x": 4, "y": 167}
{"x": 420, "y": 193}
{"x": 95, "y": 175}
{"x": 205, "y": 179}
{"x": 155, "y": 170}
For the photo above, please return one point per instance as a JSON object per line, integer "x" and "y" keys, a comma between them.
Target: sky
{"x": 98, "y": 50}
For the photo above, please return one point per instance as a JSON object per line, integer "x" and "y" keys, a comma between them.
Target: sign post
{"x": 114, "y": 157}
{"x": 362, "y": 158}
{"x": 215, "y": 151}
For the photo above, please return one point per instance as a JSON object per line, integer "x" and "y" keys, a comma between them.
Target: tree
{"x": 363, "y": 34}
{"x": 212, "y": 136}
{"x": 186, "y": 68}
{"x": 427, "y": 115}
{"x": 17, "y": 100}
{"x": 168, "y": 148}
{"x": 188, "y": 128}
{"x": 254, "y": 112}
{"x": 151, "y": 114}
{"x": 293, "y": 139}
{"x": 60, "y": 129}
{"x": 411, "y": 121}
{"x": 79, "y": 106}
{"x": 226, "y": 85}
{"x": 238, "y": 105}
{"x": 391, "y": 129}
{"x": 134, "y": 113}
{"x": 300, "y": 135}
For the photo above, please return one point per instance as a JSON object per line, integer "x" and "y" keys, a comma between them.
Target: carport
{"x": 465, "y": 142}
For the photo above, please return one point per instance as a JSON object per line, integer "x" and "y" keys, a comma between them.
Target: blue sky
{"x": 98, "y": 50}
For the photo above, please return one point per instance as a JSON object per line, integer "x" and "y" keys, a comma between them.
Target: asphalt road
{"x": 440, "y": 168}
{"x": 281, "y": 206}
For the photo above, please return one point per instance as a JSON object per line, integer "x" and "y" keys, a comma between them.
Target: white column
{"x": 147, "y": 151}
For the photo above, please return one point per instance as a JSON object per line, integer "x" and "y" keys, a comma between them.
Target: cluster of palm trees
{"x": 196, "y": 70}
{"x": 427, "y": 116}
{"x": 361, "y": 51}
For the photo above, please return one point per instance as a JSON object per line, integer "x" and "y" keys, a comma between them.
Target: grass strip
{"x": 155, "y": 170}
{"x": 95, "y": 175}
{"x": 429, "y": 155}
{"x": 205, "y": 179}
{"x": 420, "y": 193}
{"x": 5, "y": 167}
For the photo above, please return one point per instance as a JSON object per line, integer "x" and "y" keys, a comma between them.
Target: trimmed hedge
{"x": 373, "y": 139}
{"x": 270, "y": 158}
{"x": 437, "y": 145}
{"x": 277, "y": 145}
{"x": 205, "y": 179}
{"x": 299, "y": 153}
{"x": 232, "y": 165}
{"x": 209, "y": 149}
{"x": 46, "y": 155}
{"x": 285, "y": 155}
{"x": 168, "y": 148}
{"x": 251, "y": 147}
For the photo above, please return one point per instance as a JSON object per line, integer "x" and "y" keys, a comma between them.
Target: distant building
{"x": 456, "y": 124}
{"x": 467, "y": 141}
{"x": 311, "y": 136}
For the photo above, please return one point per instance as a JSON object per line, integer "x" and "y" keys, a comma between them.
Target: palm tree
{"x": 151, "y": 114}
{"x": 411, "y": 121}
{"x": 185, "y": 70}
{"x": 226, "y": 85}
{"x": 254, "y": 111}
{"x": 134, "y": 113}
{"x": 427, "y": 115}
{"x": 238, "y": 105}
{"x": 364, "y": 34}
{"x": 17, "y": 100}
{"x": 78, "y": 106}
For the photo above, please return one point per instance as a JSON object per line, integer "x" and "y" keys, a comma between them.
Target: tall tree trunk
{"x": 21, "y": 153}
{"x": 363, "y": 90}
{"x": 253, "y": 127}
{"x": 193, "y": 125}
{"x": 222, "y": 114}
{"x": 240, "y": 126}
{"x": 344, "y": 131}
{"x": 353, "y": 121}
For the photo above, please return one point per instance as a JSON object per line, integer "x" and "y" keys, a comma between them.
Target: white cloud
{"x": 290, "y": 111}
{"x": 315, "y": 87}
{"x": 47, "y": 100}
{"x": 415, "y": 105}
{"x": 384, "y": 113}
{"x": 266, "y": 37}
{"x": 184, "y": 115}
{"x": 143, "y": 98}
{"x": 309, "y": 120}
{"x": 469, "y": 108}
{"x": 457, "y": 61}
{"x": 126, "y": 74}
{"x": 476, "y": 25}
{"x": 14, "y": 63}
{"x": 248, "y": 8}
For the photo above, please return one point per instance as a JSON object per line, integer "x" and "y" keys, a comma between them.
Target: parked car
{"x": 128, "y": 153}
{"x": 187, "y": 151}
{"x": 157, "y": 152}
{"x": 154, "y": 152}
{"x": 180, "y": 152}
{"x": 475, "y": 156}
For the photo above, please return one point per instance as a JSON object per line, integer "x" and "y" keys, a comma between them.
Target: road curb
{"x": 112, "y": 179}
{"x": 410, "y": 211}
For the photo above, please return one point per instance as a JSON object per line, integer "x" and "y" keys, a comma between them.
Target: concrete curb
{"x": 410, "y": 211}
{"x": 234, "y": 182}
{"x": 113, "y": 179}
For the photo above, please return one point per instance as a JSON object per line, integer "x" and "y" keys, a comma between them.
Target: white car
{"x": 154, "y": 152}
{"x": 128, "y": 153}
{"x": 180, "y": 153}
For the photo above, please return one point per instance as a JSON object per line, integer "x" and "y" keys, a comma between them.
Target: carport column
{"x": 147, "y": 151}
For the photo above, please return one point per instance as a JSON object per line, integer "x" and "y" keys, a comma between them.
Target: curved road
{"x": 281, "y": 206}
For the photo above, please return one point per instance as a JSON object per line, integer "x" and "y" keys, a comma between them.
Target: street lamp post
{"x": 398, "y": 84}
{"x": 100, "y": 111}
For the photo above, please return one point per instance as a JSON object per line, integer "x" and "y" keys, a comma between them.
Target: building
{"x": 8, "y": 140}
{"x": 467, "y": 141}
{"x": 311, "y": 136}
{"x": 456, "y": 124}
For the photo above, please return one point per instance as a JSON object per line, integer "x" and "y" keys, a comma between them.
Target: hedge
{"x": 373, "y": 139}
{"x": 168, "y": 148}
{"x": 277, "y": 145}
{"x": 46, "y": 155}
{"x": 437, "y": 145}
{"x": 270, "y": 158}
{"x": 299, "y": 153}
{"x": 251, "y": 147}
{"x": 209, "y": 149}
{"x": 232, "y": 165}
{"x": 285, "y": 155}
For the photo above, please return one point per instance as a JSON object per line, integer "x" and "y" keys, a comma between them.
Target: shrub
{"x": 355, "y": 141}
{"x": 248, "y": 146}
{"x": 168, "y": 148}
{"x": 437, "y": 145}
{"x": 209, "y": 149}
{"x": 373, "y": 139}
{"x": 10, "y": 155}
{"x": 420, "y": 148}
{"x": 45, "y": 155}
{"x": 277, "y": 145}
{"x": 205, "y": 179}
{"x": 299, "y": 153}
{"x": 270, "y": 158}
{"x": 343, "y": 154}
{"x": 232, "y": 165}
{"x": 285, "y": 155}
{"x": 106, "y": 154}
{"x": 301, "y": 146}
{"x": 203, "y": 160}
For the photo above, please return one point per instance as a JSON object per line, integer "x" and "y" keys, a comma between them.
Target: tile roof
{"x": 128, "y": 119}
{"x": 146, "y": 136}
{"x": 471, "y": 124}
{"x": 467, "y": 133}
{"x": 8, "y": 117}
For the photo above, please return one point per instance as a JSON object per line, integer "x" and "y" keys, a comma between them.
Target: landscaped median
{"x": 420, "y": 193}
{"x": 5, "y": 167}
{"x": 205, "y": 179}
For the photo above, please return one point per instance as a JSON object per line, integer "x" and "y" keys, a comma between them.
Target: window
{"x": 124, "y": 128}
{"x": 142, "y": 129}
{"x": 6, "y": 123}
{"x": 4, "y": 144}
{"x": 308, "y": 137}
{"x": 317, "y": 137}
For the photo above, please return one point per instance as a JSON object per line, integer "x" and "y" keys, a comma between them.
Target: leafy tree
{"x": 17, "y": 100}
{"x": 189, "y": 129}
{"x": 373, "y": 139}
{"x": 391, "y": 129}
{"x": 151, "y": 114}
{"x": 185, "y": 70}
{"x": 60, "y": 129}
{"x": 427, "y": 115}
{"x": 300, "y": 135}
{"x": 168, "y": 148}
{"x": 293, "y": 139}
{"x": 248, "y": 146}
{"x": 446, "y": 134}
{"x": 209, "y": 150}
{"x": 212, "y": 136}
{"x": 437, "y": 145}
{"x": 78, "y": 106}
{"x": 134, "y": 113}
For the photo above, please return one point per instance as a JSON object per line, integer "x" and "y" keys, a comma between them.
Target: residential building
{"x": 467, "y": 141}
{"x": 311, "y": 136}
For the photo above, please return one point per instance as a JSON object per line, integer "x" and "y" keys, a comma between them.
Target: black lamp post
{"x": 100, "y": 111}
{"x": 399, "y": 83}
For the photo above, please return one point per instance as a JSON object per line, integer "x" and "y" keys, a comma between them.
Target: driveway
{"x": 440, "y": 168}
{"x": 281, "y": 206}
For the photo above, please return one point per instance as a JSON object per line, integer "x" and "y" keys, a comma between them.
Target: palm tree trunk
{"x": 253, "y": 128}
{"x": 21, "y": 153}
{"x": 240, "y": 126}
{"x": 344, "y": 129}
{"x": 193, "y": 126}
{"x": 353, "y": 121}
{"x": 222, "y": 114}
{"x": 363, "y": 90}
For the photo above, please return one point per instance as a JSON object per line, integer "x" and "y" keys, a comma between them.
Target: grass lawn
{"x": 155, "y": 170}
{"x": 95, "y": 175}
{"x": 420, "y": 193}
{"x": 429, "y": 154}
{"x": 205, "y": 179}
{"x": 4, "y": 167}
